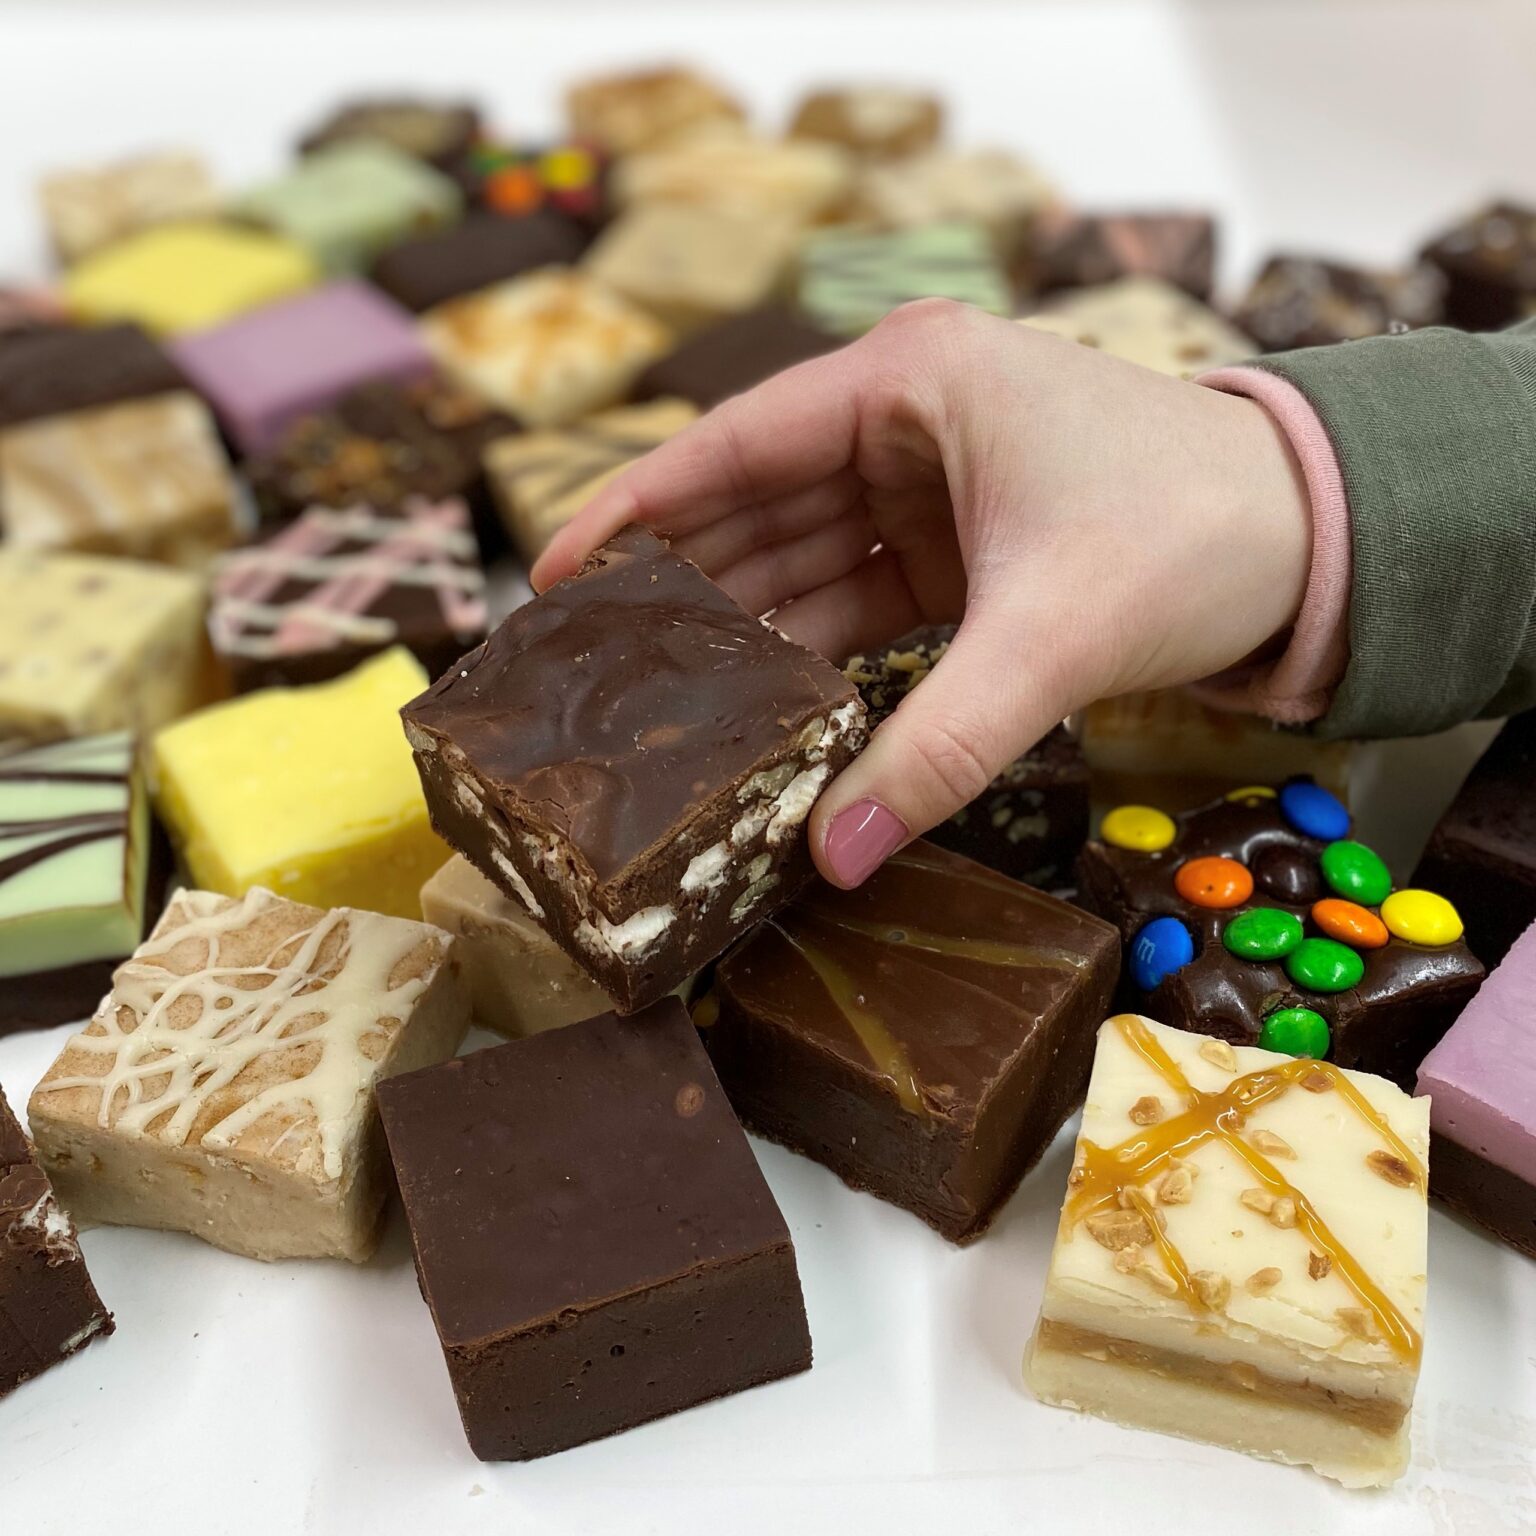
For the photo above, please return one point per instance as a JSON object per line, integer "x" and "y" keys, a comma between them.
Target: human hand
{"x": 1094, "y": 528}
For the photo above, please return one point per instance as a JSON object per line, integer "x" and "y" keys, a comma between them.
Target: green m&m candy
{"x": 1356, "y": 873}
{"x": 1296, "y": 1031}
{"x": 1262, "y": 933}
{"x": 1324, "y": 965}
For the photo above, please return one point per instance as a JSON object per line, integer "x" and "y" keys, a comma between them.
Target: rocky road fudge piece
{"x": 143, "y": 478}
{"x": 90, "y": 644}
{"x": 622, "y": 113}
{"x": 1300, "y": 301}
{"x": 75, "y": 875}
{"x": 541, "y": 480}
{"x": 225, "y": 1085}
{"x": 439, "y": 132}
{"x": 1146, "y": 321}
{"x": 1241, "y": 1256}
{"x": 186, "y": 276}
{"x": 850, "y": 279}
{"x": 48, "y": 1307}
{"x": 1489, "y": 263}
{"x": 84, "y": 210}
{"x": 520, "y": 981}
{"x": 598, "y": 1258}
{"x": 1083, "y": 250}
{"x": 1257, "y": 919}
{"x": 1033, "y": 818}
{"x": 883, "y": 122}
{"x": 923, "y": 1036}
{"x": 1482, "y": 853}
{"x": 634, "y": 757}
{"x": 734, "y": 355}
{"x": 549, "y": 346}
{"x": 265, "y": 370}
{"x": 59, "y": 369}
{"x": 1481, "y": 1083}
{"x": 307, "y": 791}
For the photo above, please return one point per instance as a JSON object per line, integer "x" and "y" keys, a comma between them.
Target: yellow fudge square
{"x": 309, "y": 792}
{"x": 186, "y": 277}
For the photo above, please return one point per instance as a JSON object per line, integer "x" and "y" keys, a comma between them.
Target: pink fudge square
{"x": 277, "y": 363}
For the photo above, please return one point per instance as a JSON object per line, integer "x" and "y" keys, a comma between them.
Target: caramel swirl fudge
{"x": 1241, "y": 1257}
{"x": 225, "y": 1086}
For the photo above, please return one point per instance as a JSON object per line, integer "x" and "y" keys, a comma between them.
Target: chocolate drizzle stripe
{"x": 19, "y": 863}
{"x": 56, "y": 776}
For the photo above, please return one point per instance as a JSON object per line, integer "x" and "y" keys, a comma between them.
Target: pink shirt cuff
{"x": 1298, "y": 686}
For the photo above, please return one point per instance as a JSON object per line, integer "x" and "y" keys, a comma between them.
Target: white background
{"x": 242, "y": 1398}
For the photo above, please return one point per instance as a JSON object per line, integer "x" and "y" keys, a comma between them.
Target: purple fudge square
{"x": 282, "y": 361}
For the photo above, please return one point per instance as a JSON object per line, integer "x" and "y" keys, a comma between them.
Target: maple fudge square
{"x": 882, "y": 122}
{"x": 225, "y": 1085}
{"x": 89, "y": 644}
{"x": 1241, "y": 1256}
{"x": 548, "y": 347}
{"x": 307, "y": 791}
{"x": 634, "y": 757}
{"x": 625, "y": 112}
{"x": 144, "y": 478}
{"x": 265, "y": 370}
{"x": 87, "y": 209}
{"x": 1003, "y": 193}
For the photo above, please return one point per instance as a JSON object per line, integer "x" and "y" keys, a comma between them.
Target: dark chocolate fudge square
{"x": 592, "y": 1234}
{"x": 633, "y": 757}
{"x": 440, "y": 133}
{"x": 48, "y": 1307}
{"x": 1482, "y": 855}
{"x": 483, "y": 249}
{"x": 924, "y": 1036}
{"x": 1299, "y": 301}
{"x": 1084, "y": 250}
{"x": 1033, "y": 819}
{"x": 733, "y": 356}
{"x": 1489, "y": 262}
{"x": 51, "y": 372}
{"x": 1257, "y": 919}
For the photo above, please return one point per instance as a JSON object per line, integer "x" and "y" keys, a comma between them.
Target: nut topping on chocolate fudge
{"x": 633, "y": 756}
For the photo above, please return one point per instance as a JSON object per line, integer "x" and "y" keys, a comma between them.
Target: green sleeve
{"x": 1436, "y": 437}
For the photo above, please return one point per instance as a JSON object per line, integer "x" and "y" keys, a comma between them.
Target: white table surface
{"x": 311, "y": 1397}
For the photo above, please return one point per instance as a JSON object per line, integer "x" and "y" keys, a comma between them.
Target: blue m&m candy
{"x": 1161, "y": 947}
{"x": 1314, "y": 811}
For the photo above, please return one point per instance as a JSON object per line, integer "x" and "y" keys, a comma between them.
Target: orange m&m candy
{"x": 1213, "y": 882}
{"x": 1350, "y": 923}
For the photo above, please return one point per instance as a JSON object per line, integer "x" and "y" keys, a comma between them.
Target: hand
{"x": 1094, "y": 528}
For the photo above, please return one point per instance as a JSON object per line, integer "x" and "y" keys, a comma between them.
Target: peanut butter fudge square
{"x": 225, "y": 1086}
{"x": 633, "y": 756}
{"x": 1241, "y": 1256}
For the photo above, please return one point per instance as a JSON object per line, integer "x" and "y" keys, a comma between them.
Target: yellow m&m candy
{"x": 1139, "y": 828}
{"x": 1421, "y": 917}
{"x": 1250, "y": 793}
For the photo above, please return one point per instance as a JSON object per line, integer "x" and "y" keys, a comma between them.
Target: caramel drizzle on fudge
{"x": 1106, "y": 1178}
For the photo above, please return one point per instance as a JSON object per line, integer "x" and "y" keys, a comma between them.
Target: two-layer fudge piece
{"x": 879, "y": 121}
{"x": 633, "y": 756}
{"x": 1482, "y": 853}
{"x": 307, "y": 791}
{"x": 923, "y": 1036}
{"x": 1301, "y": 301}
{"x": 735, "y": 355}
{"x": 1489, "y": 264}
{"x": 90, "y": 645}
{"x": 520, "y": 981}
{"x": 439, "y": 132}
{"x": 49, "y": 1310}
{"x": 225, "y": 1085}
{"x": 1481, "y": 1083}
{"x": 1241, "y": 1255}
{"x": 1257, "y": 919}
{"x": 1033, "y": 818}
{"x": 336, "y": 586}
{"x": 1083, "y": 250}
{"x": 541, "y": 480}
{"x": 58, "y": 369}
{"x": 622, "y": 113}
{"x": 76, "y": 875}
{"x": 87, "y": 209}
{"x": 592, "y": 1235}
{"x": 263, "y": 371}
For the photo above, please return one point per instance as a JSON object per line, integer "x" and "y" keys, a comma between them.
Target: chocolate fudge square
{"x": 48, "y": 1306}
{"x": 1300, "y": 301}
{"x": 634, "y": 756}
{"x": 52, "y": 371}
{"x": 592, "y": 1234}
{"x": 1489, "y": 262}
{"x": 923, "y": 1036}
{"x": 1482, "y": 855}
{"x": 1082, "y": 250}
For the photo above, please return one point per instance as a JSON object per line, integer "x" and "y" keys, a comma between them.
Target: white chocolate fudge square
{"x": 225, "y": 1086}
{"x": 88, "y": 209}
{"x": 1241, "y": 1256}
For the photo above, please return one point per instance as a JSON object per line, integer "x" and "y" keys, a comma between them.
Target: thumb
{"x": 949, "y": 738}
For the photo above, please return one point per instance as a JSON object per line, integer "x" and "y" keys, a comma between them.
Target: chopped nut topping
{"x": 1219, "y": 1054}
{"x": 1076, "y": 1177}
{"x": 1158, "y": 1279}
{"x": 1318, "y": 1265}
{"x": 1118, "y": 1229}
{"x": 1125, "y": 1200}
{"x": 1283, "y": 1212}
{"x": 1389, "y": 1166}
{"x": 1147, "y": 1110}
{"x": 1259, "y": 1200}
{"x": 1356, "y": 1321}
{"x": 1176, "y": 1187}
{"x": 1317, "y": 1082}
{"x": 1129, "y": 1259}
{"x": 1271, "y": 1145}
{"x": 1214, "y": 1290}
{"x": 1262, "y": 1281}
{"x": 906, "y": 661}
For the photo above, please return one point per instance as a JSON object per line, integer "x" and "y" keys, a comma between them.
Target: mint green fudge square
{"x": 347, "y": 203}
{"x": 850, "y": 279}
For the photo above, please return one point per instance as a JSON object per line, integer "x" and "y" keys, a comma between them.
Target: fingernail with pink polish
{"x": 861, "y": 838}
